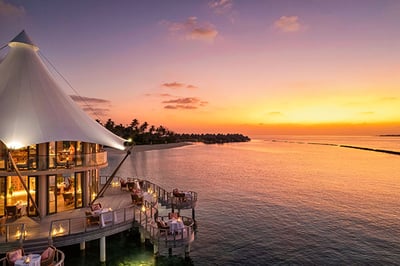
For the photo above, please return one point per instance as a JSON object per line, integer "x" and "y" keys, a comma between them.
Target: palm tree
{"x": 134, "y": 124}
{"x": 143, "y": 127}
{"x": 110, "y": 125}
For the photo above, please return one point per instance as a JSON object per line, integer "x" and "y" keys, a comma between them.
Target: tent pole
{"x": 23, "y": 182}
{"x": 107, "y": 184}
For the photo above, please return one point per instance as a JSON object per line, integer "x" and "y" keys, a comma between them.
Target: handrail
{"x": 145, "y": 216}
{"x": 69, "y": 226}
{"x": 163, "y": 196}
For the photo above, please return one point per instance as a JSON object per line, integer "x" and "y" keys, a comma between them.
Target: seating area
{"x": 17, "y": 256}
{"x": 14, "y": 255}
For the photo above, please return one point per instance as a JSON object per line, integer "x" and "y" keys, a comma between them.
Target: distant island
{"x": 390, "y": 135}
{"x": 145, "y": 134}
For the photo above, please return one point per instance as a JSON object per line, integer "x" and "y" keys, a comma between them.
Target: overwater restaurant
{"x": 50, "y": 149}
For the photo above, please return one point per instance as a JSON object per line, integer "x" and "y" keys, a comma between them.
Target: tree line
{"x": 143, "y": 133}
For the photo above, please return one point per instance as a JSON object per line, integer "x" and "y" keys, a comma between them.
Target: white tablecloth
{"x": 34, "y": 260}
{"x": 106, "y": 216}
{"x": 175, "y": 226}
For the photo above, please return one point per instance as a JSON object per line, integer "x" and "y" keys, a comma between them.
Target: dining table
{"x": 176, "y": 226}
{"x": 106, "y": 216}
{"x": 29, "y": 260}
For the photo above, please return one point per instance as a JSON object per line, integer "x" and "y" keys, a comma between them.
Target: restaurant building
{"x": 50, "y": 149}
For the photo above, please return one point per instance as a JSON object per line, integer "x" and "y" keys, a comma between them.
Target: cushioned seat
{"x": 14, "y": 255}
{"x": 47, "y": 257}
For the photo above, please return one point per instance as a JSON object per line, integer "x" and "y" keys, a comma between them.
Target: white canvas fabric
{"x": 34, "y": 109}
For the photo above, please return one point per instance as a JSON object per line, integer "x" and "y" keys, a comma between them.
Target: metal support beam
{"x": 105, "y": 187}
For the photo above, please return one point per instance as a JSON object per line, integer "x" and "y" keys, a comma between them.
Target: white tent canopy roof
{"x": 34, "y": 109}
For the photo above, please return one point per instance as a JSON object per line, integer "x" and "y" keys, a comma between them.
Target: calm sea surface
{"x": 276, "y": 200}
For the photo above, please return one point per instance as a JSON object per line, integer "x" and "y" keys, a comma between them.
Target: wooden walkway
{"x": 38, "y": 229}
{"x": 75, "y": 230}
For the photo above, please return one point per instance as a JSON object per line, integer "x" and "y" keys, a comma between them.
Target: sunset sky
{"x": 229, "y": 66}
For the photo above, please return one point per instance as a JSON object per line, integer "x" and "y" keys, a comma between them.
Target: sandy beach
{"x": 139, "y": 148}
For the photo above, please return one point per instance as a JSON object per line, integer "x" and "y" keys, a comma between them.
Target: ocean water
{"x": 277, "y": 200}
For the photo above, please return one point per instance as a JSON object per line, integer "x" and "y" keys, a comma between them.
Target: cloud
{"x": 191, "y": 86}
{"x": 88, "y": 100}
{"x": 178, "y": 85}
{"x": 9, "y": 10}
{"x": 184, "y": 103}
{"x": 179, "y": 106}
{"x": 88, "y": 104}
{"x": 191, "y": 29}
{"x": 173, "y": 85}
{"x": 288, "y": 24}
{"x": 221, "y": 6}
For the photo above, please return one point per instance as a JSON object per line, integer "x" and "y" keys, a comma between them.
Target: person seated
{"x": 96, "y": 207}
{"x": 177, "y": 193}
{"x": 163, "y": 227}
{"x": 173, "y": 215}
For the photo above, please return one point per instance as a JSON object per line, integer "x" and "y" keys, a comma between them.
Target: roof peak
{"x": 22, "y": 37}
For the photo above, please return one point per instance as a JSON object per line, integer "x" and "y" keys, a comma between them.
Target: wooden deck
{"x": 73, "y": 223}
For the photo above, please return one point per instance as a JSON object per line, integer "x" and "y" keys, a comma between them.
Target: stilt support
{"x": 187, "y": 250}
{"x": 142, "y": 236}
{"x": 83, "y": 245}
{"x": 103, "y": 249}
{"x": 155, "y": 249}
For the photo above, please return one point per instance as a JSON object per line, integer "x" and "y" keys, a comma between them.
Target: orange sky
{"x": 259, "y": 67}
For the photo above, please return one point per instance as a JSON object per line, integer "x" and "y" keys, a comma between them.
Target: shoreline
{"x": 140, "y": 148}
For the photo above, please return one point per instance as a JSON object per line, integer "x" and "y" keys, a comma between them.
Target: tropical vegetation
{"x": 143, "y": 133}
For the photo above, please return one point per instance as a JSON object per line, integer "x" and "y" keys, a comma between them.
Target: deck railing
{"x": 164, "y": 197}
{"x": 13, "y": 232}
{"x": 144, "y": 215}
{"x": 76, "y": 225}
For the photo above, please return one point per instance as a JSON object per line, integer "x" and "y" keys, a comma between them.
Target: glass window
{"x": 52, "y": 193}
